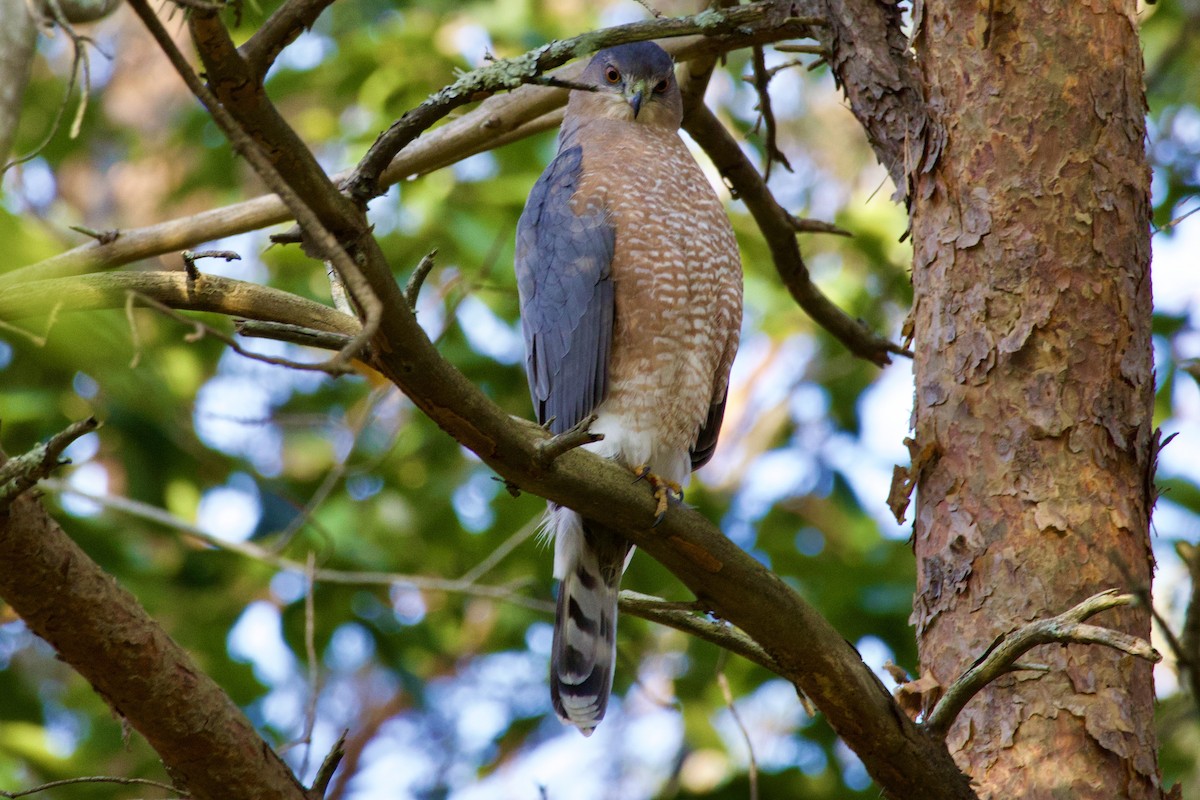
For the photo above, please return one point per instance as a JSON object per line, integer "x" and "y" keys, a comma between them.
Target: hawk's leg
{"x": 665, "y": 490}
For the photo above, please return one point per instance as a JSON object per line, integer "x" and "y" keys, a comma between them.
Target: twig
{"x": 415, "y": 281}
{"x": 576, "y": 436}
{"x": 498, "y": 121}
{"x": 93, "y": 779}
{"x": 762, "y": 80}
{"x": 727, "y": 693}
{"x": 286, "y": 332}
{"x": 684, "y": 617}
{"x": 498, "y": 553}
{"x": 1189, "y": 637}
{"x": 190, "y": 259}
{"x": 103, "y": 237}
{"x": 201, "y": 329}
{"x": 321, "y": 575}
{"x": 310, "y": 654}
{"x": 20, "y": 473}
{"x": 810, "y": 49}
{"x": 328, "y": 767}
{"x": 281, "y": 29}
{"x": 774, "y": 222}
{"x": 816, "y": 226}
{"x": 1002, "y": 656}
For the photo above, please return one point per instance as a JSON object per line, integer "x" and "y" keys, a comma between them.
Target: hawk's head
{"x": 634, "y": 82}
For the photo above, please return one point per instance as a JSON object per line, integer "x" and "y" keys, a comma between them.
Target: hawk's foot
{"x": 666, "y": 491}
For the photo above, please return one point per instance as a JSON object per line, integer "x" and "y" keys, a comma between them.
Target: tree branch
{"x": 1002, "y": 656}
{"x": 281, "y": 29}
{"x": 511, "y": 73}
{"x": 499, "y": 120}
{"x": 104, "y": 634}
{"x": 685, "y": 618}
{"x": 18, "y": 475}
{"x": 779, "y": 232}
{"x": 206, "y": 293}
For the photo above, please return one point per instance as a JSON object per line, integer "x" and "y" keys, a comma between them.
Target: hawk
{"x": 631, "y": 303}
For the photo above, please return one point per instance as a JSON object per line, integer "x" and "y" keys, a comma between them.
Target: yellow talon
{"x": 664, "y": 490}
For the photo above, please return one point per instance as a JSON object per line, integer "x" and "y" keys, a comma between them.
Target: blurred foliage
{"x": 444, "y": 692}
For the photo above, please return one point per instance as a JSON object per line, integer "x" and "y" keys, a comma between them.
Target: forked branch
{"x": 1002, "y": 656}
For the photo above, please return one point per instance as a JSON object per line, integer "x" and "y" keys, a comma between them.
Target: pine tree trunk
{"x": 1034, "y": 384}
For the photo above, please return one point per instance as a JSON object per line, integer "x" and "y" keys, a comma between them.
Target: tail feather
{"x": 589, "y": 561}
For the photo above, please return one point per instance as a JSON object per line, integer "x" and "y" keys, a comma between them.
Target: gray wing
{"x": 563, "y": 265}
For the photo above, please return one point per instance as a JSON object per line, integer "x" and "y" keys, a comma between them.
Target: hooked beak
{"x": 634, "y": 95}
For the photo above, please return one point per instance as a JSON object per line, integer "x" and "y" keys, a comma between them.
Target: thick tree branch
{"x": 104, "y": 634}
{"x": 779, "y": 231}
{"x": 1002, "y": 656}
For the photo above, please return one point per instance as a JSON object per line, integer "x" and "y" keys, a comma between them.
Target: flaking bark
{"x": 1034, "y": 384}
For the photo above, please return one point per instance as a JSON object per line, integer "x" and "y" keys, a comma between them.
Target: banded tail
{"x": 588, "y": 561}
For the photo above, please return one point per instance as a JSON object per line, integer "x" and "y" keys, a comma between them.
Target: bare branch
{"x": 328, "y": 767}
{"x": 281, "y": 29}
{"x": 689, "y": 618}
{"x": 413, "y": 290}
{"x": 762, "y": 81}
{"x": 727, "y": 694}
{"x": 106, "y": 636}
{"x": 320, "y": 575}
{"x": 19, "y": 474}
{"x": 166, "y": 787}
{"x": 776, "y": 226}
{"x": 295, "y": 334}
{"x": 207, "y": 293}
{"x": 1002, "y": 656}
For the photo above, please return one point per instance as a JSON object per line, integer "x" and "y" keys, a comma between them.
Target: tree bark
{"x": 1034, "y": 437}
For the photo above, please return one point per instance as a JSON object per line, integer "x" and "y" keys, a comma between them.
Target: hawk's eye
{"x": 612, "y": 74}
{"x": 660, "y": 87}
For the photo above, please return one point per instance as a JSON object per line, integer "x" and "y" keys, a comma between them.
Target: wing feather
{"x": 563, "y": 266}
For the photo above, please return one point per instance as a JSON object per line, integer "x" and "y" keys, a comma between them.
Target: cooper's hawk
{"x": 631, "y": 303}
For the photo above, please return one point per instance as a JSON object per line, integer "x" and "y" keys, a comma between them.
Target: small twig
{"x": 1002, "y": 656}
{"x": 1189, "y": 637}
{"x": 1168, "y": 226}
{"x": 328, "y": 767}
{"x": 803, "y": 225}
{"x": 103, "y": 237}
{"x": 548, "y": 450}
{"x": 762, "y": 80}
{"x": 497, "y": 554}
{"x": 809, "y": 49}
{"x": 653, "y": 11}
{"x": 727, "y": 693}
{"x": 294, "y": 334}
{"x": 412, "y": 289}
{"x": 21, "y": 473}
{"x": 190, "y": 258}
{"x": 321, "y": 575}
{"x": 310, "y": 654}
{"x": 166, "y": 787}
{"x": 684, "y": 617}
{"x": 558, "y": 83}
{"x": 201, "y": 329}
